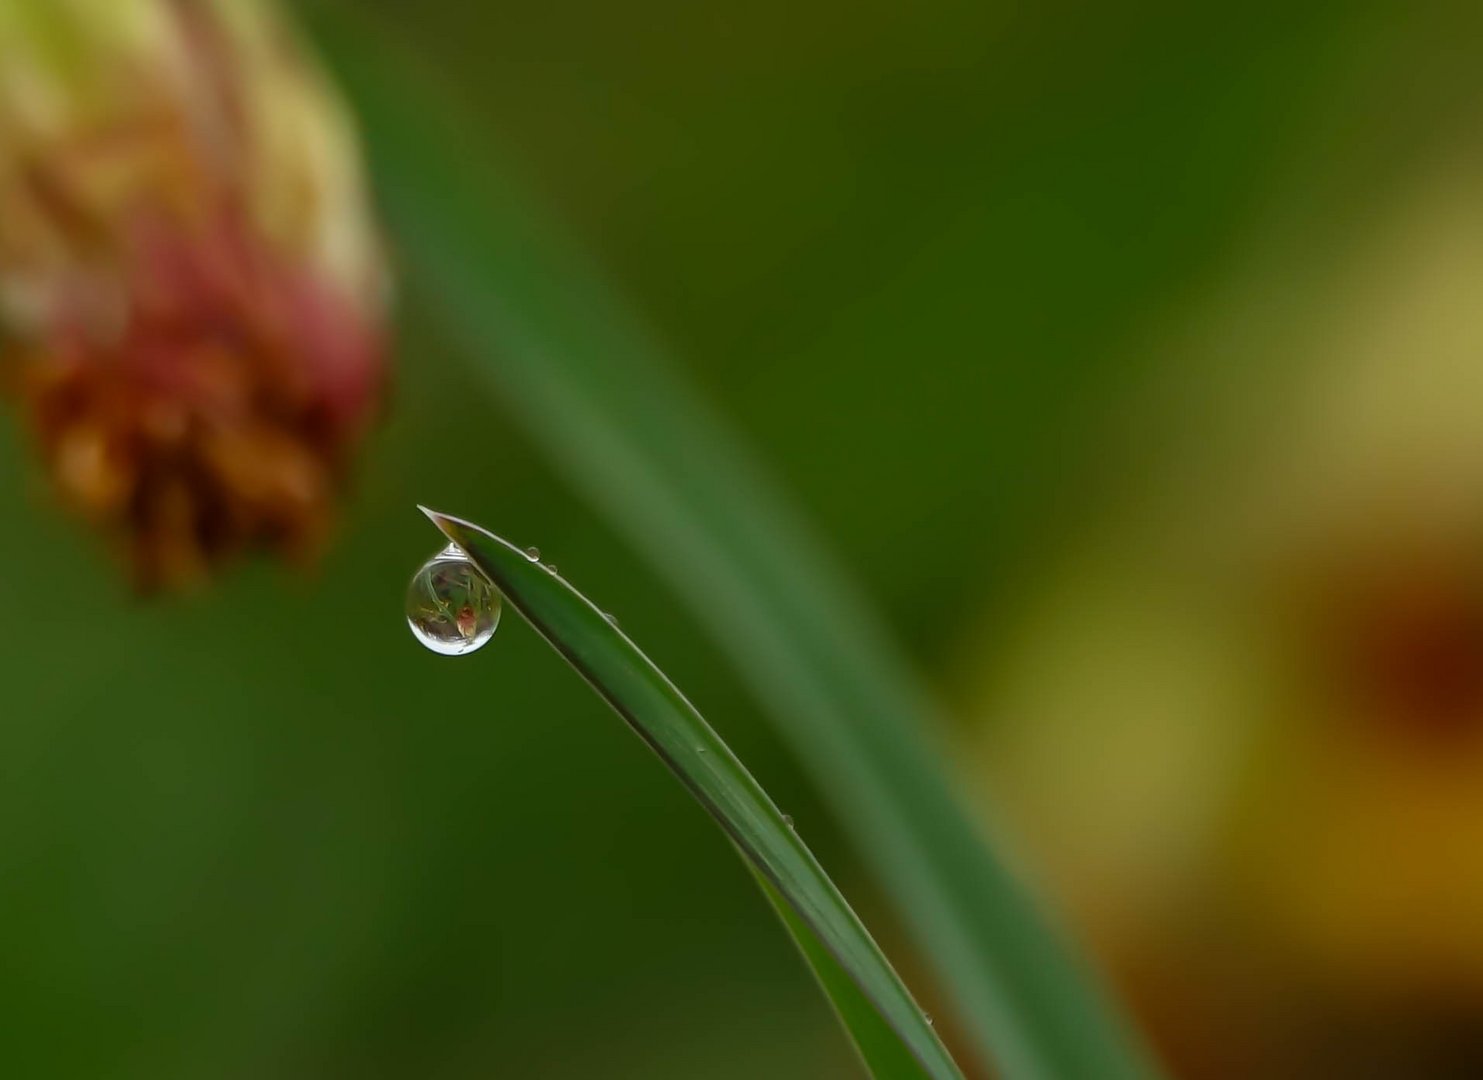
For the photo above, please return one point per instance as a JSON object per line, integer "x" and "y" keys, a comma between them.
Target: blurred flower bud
{"x": 190, "y": 284}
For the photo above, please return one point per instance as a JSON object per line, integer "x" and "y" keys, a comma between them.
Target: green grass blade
{"x": 660, "y": 715}
{"x": 584, "y": 377}
{"x": 879, "y": 1047}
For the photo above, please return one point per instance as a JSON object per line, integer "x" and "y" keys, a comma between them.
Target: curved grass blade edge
{"x": 665, "y": 720}
{"x": 877, "y": 1045}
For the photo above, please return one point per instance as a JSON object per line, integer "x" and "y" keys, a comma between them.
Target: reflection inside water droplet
{"x": 451, "y": 607}
{"x": 533, "y": 554}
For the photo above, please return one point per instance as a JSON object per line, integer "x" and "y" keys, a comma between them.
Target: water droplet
{"x": 928, "y": 1017}
{"x": 551, "y": 567}
{"x": 788, "y": 820}
{"x": 533, "y": 554}
{"x": 700, "y": 749}
{"x": 610, "y": 617}
{"x": 451, "y": 607}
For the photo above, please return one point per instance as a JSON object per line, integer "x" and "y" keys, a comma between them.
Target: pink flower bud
{"x": 190, "y": 280}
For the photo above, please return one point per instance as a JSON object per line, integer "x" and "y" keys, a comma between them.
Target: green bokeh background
{"x": 910, "y": 250}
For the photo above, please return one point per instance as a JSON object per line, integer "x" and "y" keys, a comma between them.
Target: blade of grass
{"x": 879, "y": 1047}
{"x": 576, "y": 368}
{"x": 660, "y": 715}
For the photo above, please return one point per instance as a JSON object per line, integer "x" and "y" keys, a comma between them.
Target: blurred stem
{"x": 576, "y": 367}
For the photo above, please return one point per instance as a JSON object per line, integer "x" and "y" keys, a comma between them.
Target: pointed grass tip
{"x": 432, "y": 515}
{"x": 453, "y": 527}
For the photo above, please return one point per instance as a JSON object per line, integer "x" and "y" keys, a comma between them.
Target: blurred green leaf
{"x": 818, "y": 915}
{"x": 579, "y": 371}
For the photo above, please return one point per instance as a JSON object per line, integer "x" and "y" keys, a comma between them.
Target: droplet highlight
{"x": 533, "y": 554}
{"x": 452, "y": 608}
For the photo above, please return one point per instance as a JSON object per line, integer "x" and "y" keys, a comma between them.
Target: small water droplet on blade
{"x": 452, "y": 608}
{"x": 551, "y": 567}
{"x": 788, "y": 820}
{"x": 533, "y": 554}
{"x": 928, "y": 1017}
{"x": 610, "y": 617}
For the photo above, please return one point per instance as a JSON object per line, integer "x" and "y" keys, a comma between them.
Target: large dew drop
{"x": 451, "y": 607}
